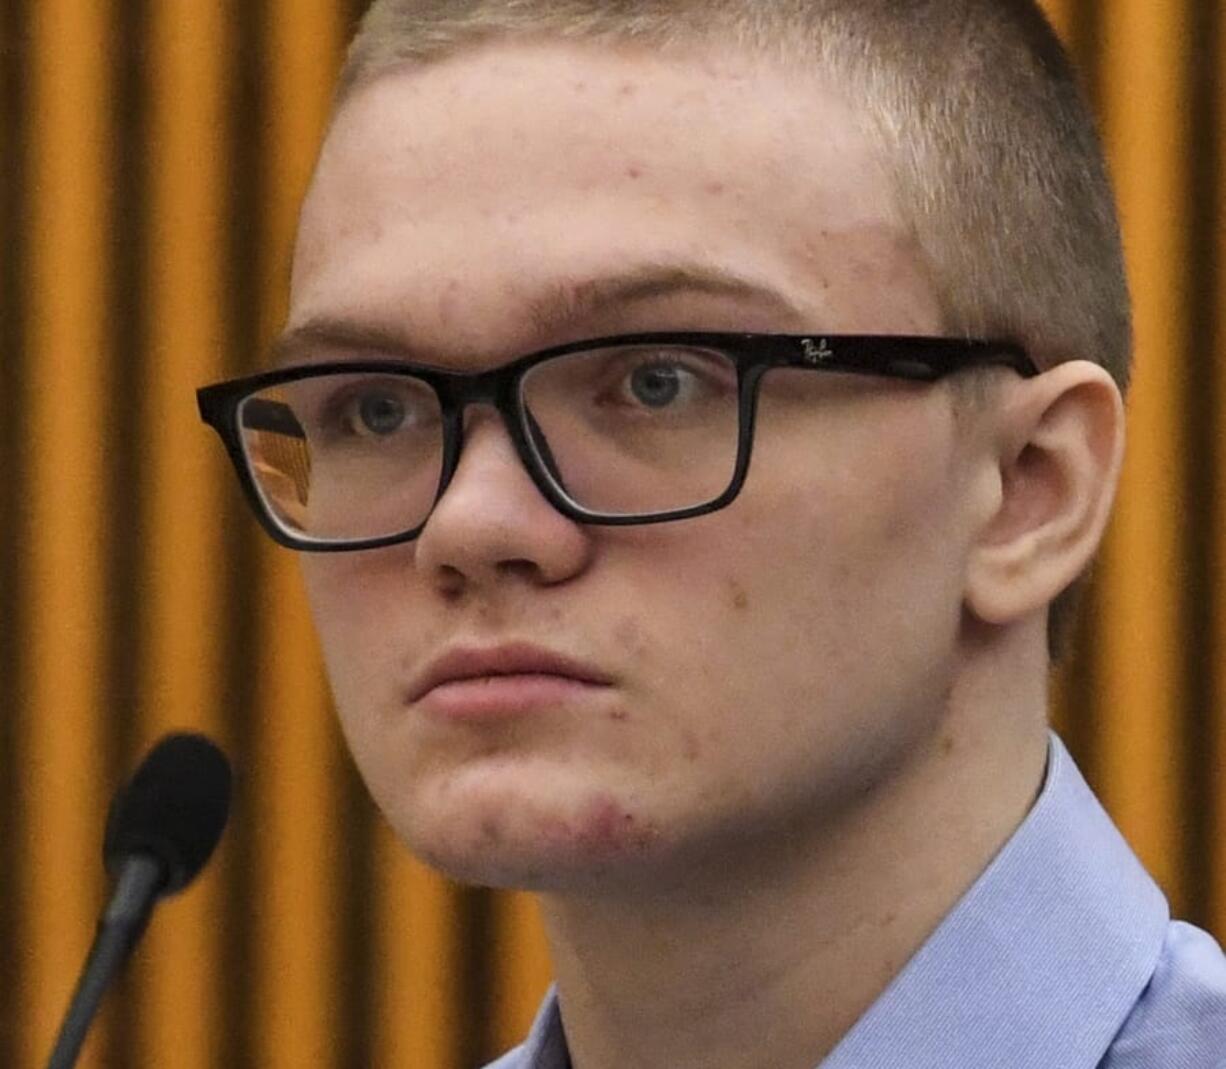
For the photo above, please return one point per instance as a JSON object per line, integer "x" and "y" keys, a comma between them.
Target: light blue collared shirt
{"x": 1062, "y": 955}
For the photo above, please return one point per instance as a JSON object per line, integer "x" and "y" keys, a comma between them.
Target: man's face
{"x": 764, "y": 668}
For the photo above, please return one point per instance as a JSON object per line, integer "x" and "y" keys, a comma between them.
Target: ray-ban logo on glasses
{"x": 816, "y": 352}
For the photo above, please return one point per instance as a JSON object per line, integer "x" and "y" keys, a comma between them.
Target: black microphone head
{"x": 174, "y": 809}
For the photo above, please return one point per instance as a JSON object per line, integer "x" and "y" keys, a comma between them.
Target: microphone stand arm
{"x": 140, "y": 878}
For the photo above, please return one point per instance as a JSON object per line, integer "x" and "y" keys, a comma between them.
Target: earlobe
{"x": 1059, "y": 450}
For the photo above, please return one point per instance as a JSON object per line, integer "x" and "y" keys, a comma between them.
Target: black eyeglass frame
{"x": 914, "y": 358}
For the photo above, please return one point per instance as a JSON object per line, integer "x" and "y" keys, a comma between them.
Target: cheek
{"x": 834, "y": 582}
{"x": 339, "y": 607}
{"x": 352, "y": 599}
{"x": 868, "y": 563}
{"x": 867, "y": 479}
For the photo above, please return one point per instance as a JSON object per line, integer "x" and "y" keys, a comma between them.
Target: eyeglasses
{"x": 633, "y": 429}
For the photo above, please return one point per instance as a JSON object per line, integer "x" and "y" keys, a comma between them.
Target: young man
{"x": 769, "y": 739}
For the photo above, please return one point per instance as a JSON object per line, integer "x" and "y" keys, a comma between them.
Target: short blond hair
{"x": 992, "y": 149}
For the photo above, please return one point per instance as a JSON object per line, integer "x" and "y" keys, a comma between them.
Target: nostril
{"x": 451, "y": 582}
{"x": 521, "y": 569}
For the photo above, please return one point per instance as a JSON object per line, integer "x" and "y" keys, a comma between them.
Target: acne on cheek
{"x": 450, "y": 303}
{"x": 737, "y": 595}
{"x": 691, "y": 747}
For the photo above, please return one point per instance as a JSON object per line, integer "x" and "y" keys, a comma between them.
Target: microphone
{"x": 161, "y": 829}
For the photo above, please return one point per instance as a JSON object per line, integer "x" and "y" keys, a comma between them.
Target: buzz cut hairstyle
{"x": 980, "y": 120}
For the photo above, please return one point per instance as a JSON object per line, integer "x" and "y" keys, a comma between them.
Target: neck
{"x": 769, "y": 960}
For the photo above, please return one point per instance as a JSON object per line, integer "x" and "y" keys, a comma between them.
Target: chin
{"x": 534, "y": 847}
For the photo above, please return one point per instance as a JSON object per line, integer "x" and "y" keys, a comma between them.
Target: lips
{"x": 472, "y": 663}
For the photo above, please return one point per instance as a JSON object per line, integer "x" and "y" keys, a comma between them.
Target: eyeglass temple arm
{"x": 903, "y": 358}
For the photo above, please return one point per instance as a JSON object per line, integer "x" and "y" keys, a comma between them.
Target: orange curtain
{"x": 152, "y": 156}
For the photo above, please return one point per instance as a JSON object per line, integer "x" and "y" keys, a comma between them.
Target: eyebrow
{"x": 572, "y": 301}
{"x": 564, "y": 303}
{"x": 330, "y": 333}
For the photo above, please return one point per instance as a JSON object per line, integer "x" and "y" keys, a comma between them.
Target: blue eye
{"x": 656, "y": 385}
{"x": 376, "y": 414}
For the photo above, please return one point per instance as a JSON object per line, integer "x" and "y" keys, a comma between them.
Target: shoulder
{"x": 1180, "y": 1019}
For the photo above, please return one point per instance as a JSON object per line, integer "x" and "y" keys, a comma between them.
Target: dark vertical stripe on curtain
{"x": 1202, "y": 407}
{"x": 1086, "y": 43}
{"x": 124, "y": 444}
{"x": 358, "y": 929}
{"x": 13, "y": 265}
{"x": 243, "y": 609}
{"x": 475, "y": 1040}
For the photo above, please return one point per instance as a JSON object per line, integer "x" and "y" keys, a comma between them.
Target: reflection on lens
{"x": 636, "y": 429}
{"x": 345, "y": 456}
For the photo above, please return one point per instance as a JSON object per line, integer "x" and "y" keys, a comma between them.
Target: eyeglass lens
{"x": 622, "y": 431}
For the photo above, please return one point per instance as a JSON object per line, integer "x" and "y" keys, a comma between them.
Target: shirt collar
{"x": 1038, "y": 965}
{"x": 545, "y": 1047}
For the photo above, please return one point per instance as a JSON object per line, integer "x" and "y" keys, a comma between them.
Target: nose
{"x": 492, "y": 522}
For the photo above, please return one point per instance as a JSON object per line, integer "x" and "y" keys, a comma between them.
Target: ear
{"x": 1058, "y": 446}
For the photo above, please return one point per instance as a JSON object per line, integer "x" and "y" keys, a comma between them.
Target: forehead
{"x": 515, "y": 171}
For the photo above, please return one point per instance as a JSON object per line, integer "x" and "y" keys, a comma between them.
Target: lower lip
{"x": 499, "y": 697}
